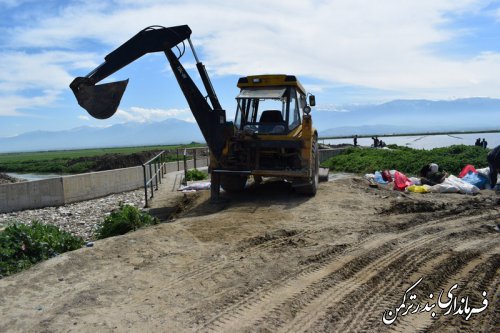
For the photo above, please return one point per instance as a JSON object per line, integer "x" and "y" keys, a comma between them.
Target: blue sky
{"x": 344, "y": 51}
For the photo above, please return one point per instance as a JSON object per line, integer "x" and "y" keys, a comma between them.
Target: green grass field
{"x": 407, "y": 160}
{"x": 56, "y": 161}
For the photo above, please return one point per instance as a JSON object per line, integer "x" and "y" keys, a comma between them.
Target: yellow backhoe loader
{"x": 271, "y": 136}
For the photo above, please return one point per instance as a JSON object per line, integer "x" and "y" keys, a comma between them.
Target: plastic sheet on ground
{"x": 195, "y": 187}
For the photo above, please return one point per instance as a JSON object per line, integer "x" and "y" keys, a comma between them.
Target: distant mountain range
{"x": 409, "y": 116}
{"x": 400, "y": 116}
{"x": 170, "y": 131}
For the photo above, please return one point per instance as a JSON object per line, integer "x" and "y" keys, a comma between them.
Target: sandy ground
{"x": 270, "y": 260}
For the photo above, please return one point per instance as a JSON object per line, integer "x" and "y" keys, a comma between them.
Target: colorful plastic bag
{"x": 468, "y": 168}
{"x": 418, "y": 188}
{"x": 401, "y": 181}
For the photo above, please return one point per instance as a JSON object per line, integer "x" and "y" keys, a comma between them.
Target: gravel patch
{"x": 80, "y": 218}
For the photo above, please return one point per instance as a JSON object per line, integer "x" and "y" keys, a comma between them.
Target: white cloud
{"x": 330, "y": 108}
{"x": 382, "y": 45}
{"x": 82, "y": 117}
{"x": 11, "y": 104}
{"x": 138, "y": 114}
{"x": 41, "y": 70}
{"x": 44, "y": 74}
{"x": 189, "y": 119}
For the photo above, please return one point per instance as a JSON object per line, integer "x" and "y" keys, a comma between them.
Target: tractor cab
{"x": 270, "y": 104}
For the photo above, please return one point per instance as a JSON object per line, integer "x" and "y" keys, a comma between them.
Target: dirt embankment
{"x": 114, "y": 161}
{"x": 273, "y": 261}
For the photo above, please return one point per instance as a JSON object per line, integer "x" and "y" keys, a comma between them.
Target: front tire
{"x": 233, "y": 183}
{"x": 312, "y": 187}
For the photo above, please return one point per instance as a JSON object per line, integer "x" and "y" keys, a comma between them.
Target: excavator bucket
{"x": 101, "y": 101}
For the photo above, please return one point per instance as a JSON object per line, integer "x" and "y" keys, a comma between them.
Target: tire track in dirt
{"x": 252, "y": 308}
{"x": 249, "y": 308}
{"x": 465, "y": 277}
{"x": 364, "y": 305}
{"x": 391, "y": 294}
{"x": 209, "y": 268}
{"x": 316, "y": 307}
{"x": 294, "y": 282}
{"x": 376, "y": 297}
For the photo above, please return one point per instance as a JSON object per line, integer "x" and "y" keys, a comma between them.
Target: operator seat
{"x": 271, "y": 116}
{"x": 271, "y": 121}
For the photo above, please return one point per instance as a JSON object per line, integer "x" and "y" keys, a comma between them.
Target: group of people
{"x": 482, "y": 143}
{"x": 377, "y": 142}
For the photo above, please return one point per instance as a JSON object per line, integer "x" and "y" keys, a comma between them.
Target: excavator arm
{"x": 101, "y": 101}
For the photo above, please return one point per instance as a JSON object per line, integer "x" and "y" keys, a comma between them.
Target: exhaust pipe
{"x": 100, "y": 101}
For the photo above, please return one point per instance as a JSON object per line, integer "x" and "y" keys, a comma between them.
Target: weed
{"x": 123, "y": 220}
{"x": 23, "y": 245}
{"x": 196, "y": 174}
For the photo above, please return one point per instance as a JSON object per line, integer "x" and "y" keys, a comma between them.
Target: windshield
{"x": 267, "y": 110}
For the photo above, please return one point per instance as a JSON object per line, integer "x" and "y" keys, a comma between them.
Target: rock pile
{"x": 6, "y": 179}
{"x": 80, "y": 218}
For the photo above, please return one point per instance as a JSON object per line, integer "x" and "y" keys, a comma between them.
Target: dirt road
{"x": 273, "y": 261}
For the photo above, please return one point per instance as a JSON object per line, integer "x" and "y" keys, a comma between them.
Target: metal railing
{"x": 194, "y": 152}
{"x": 156, "y": 168}
{"x": 153, "y": 171}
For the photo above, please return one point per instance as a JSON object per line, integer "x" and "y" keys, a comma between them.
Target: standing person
{"x": 478, "y": 142}
{"x": 484, "y": 143}
{"x": 355, "y": 139}
{"x": 494, "y": 163}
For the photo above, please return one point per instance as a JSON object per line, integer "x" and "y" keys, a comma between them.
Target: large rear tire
{"x": 233, "y": 183}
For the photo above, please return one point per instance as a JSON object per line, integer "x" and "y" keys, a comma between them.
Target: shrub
{"x": 407, "y": 160}
{"x": 24, "y": 245}
{"x": 125, "y": 219}
{"x": 195, "y": 174}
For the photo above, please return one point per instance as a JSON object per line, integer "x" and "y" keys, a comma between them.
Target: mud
{"x": 269, "y": 260}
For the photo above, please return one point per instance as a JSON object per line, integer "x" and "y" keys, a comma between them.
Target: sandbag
{"x": 444, "y": 188}
{"x": 454, "y": 184}
{"x": 415, "y": 181}
{"x": 484, "y": 172}
{"x": 195, "y": 187}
